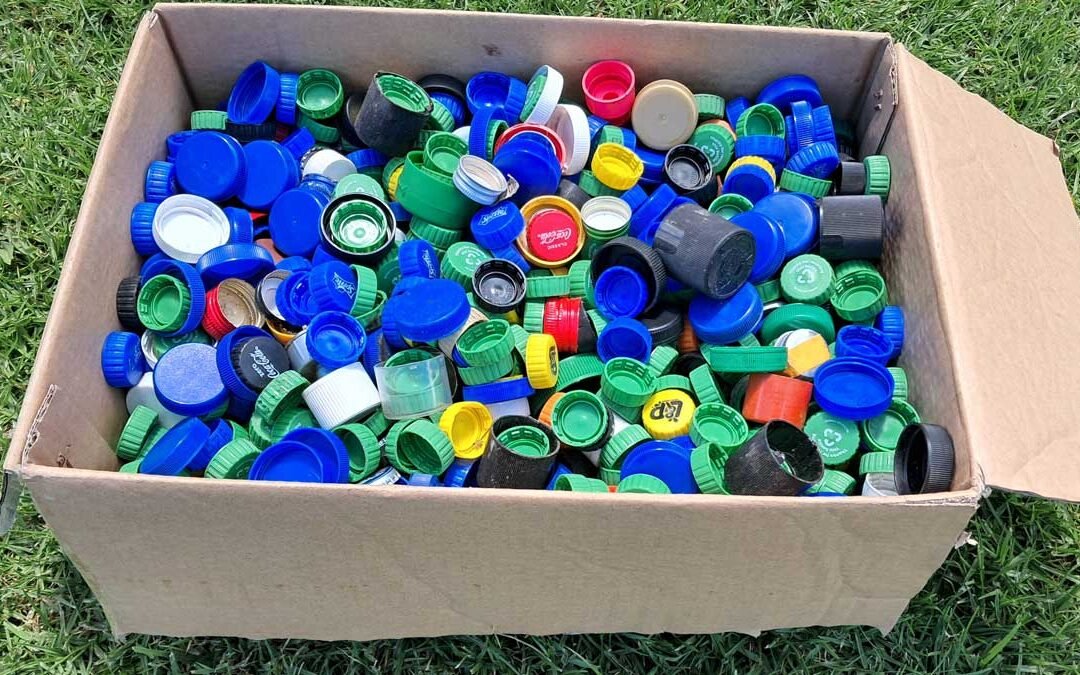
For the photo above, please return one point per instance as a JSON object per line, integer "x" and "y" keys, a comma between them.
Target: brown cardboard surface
{"x": 1004, "y": 240}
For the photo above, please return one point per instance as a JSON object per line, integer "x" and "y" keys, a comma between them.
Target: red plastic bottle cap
{"x": 548, "y": 133}
{"x": 552, "y": 235}
{"x": 562, "y": 321}
{"x": 609, "y": 90}
{"x": 776, "y": 397}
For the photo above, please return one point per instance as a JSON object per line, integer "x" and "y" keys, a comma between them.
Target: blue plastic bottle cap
{"x": 234, "y": 261}
{"x": 824, "y": 130}
{"x": 891, "y": 322}
{"x": 595, "y": 125}
{"x": 722, "y": 322}
{"x": 321, "y": 255}
{"x": 255, "y": 94}
{"x": 784, "y": 91}
{"x": 294, "y": 263}
{"x": 368, "y": 158}
{"x": 497, "y": 226}
{"x": 332, "y": 286}
{"x": 285, "y": 111}
{"x": 487, "y": 89}
{"x": 797, "y": 217}
{"x": 187, "y": 381}
{"x": 653, "y": 162}
{"x": 670, "y": 462}
{"x": 646, "y": 219}
{"x": 684, "y": 441}
{"x": 142, "y": 228}
{"x": 335, "y": 339}
{"x": 160, "y": 181}
{"x": 854, "y": 389}
{"x": 462, "y": 473}
{"x": 417, "y": 258}
{"x": 174, "y": 141}
{"x": 294, "y": 299}
{"x": 331, "y": 449}
{"x": 423, "y": 480}
{"x": 800, "y": 126}
{"x": 624, "y": 337}
{"x": 734, "y": 109}
{"x": 750, "y": 181}
{"x": 241, "y": 226}
{"x": 768, "y": 147}
{"x": 507, "y": 389}
{"x": 176, "y": 449}
{"x": 512, "y": 254}
{"x": 220, "y": 434}
{"x": 432, "y": 310}
{"x": 295, "y": 218}
{"x": 532, "y": 163}
{"x": 122, "y": 360}
{"x": 288, "y": 461}
{"x": 769, "y": 244}
{"x": 390, "y": 331}
{"x": 559, "y": 470}
{"x": 635, "y": 197}
{"x": 211, "y": 164}
{"x": 298, "y": 143}
{"x": 864, "y": 342}
{"x": 620, "y": 291}
{"x": 405, "y": 283}
{"x": 271, "y": 170}
{"x": 819, "y": 160}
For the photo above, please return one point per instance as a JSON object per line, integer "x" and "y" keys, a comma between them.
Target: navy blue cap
{"x": 333, "y": 286}
{"x": 750, "y": 181}
{"x": 797, "y": 217}
{"x": 624, "y": 337}
{"x": 285, "y": 110}
{"x": 497, "y": 226}
{"x": 735, "y": 108}
{"x": 294, "y": 299}
{"x": 452, "y": 103}
{"x": 335, "y": 339}
{"x": 595, "y": 125}
{"x": 176, "y": 449}
{"x": 824, "y": 129}
{"x": 401, "y": 215}
{"x": 142, "y": 228}
{"x": 271, "y": 170}
{"x": 288, "y": 461}
{"x": 646, "y": 219}
{"x": 506, "y": 389}
{"x": 770, "y": 148}
{"x": 670, "y": 462}
{"x": 891, "y": 322}
{"x": 187, "y": 382}
{"x": 559, "y": 470}
{"x": 432, "y": 310}
{"x": 174, "y": 141}
{"x": 122, "y": 360}
{"x": 512, "y": 254}
{"x": 462, "y": 473}
{"x": 417, "y": 258}
{"x": 331, "y": 449}
{"x": 368, "y": 158}
{"x": 487, "y": 89}
{"x": 621, "y": 291}
{"x": 635, "y": 197}
{"x": 769, "y": 243}
{"x": 423, "y": 480}
{"x": 190, "y": 276}
{"x": 298, "y": 143}
{"x": 227, "y": 368}
{"x": 295, "y": 219}
{"x": 160, "y": 181}
{"x": 241, "y": 226}
{"x": 321, "y": 255}
{"x": 211, "y": 164}
{"x": 817, "y": 159}
{"x": 653, "y": 162}
{"x": 390, "y": 332}
{"x": 864, "y": 342}
{"x": 255, "y": 94}
{"x": 532, "y": 164}
{"x": 854, "y": 389}
{"x": 295, "y": 263}
{"x": 234, "y": 261}
{"x": 722, "y": 322}
{"x": 783, "y": 91}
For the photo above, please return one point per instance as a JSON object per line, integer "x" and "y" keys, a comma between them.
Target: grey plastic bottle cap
{"x": 705, "y": 251}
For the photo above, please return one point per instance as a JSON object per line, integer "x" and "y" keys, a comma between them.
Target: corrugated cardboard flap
{"x": 1005, "y": 241}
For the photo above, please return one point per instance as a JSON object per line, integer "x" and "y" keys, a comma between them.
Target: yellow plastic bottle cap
{"x": 542, "y": 361}
{"x": 754, "y": 161}
{"x": 664, "y": 115}
{"x": 468, "y": 424}
{"x": 668, "y": 413}
{"x": 617, "y": 166}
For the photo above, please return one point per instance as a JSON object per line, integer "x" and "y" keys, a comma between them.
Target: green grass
{"x": 1009, "y": 604}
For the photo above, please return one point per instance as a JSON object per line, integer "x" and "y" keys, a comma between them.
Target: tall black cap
{"x": 127, "y": 295}
{"x": 501, "y": 467}
{"x": 705, "y": 251}
{"x": 851, "y": 227}
{"x": 778, "y": 460}
{"x": 925, "y": 460}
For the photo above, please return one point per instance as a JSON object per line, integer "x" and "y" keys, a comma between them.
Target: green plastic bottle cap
{"x": 533, "y": 317}
{"x": 443, "y": 150}
{"x": 674, "y": 381}
{"x": 319, "y": 93}
{"x": 807, "y": 278}
{"x": 610, "y": 476}
{"x": 591, "y": 185}
{"x": 577, "y": 369}
{"x": 877, "y": 462}
{"x": 133, "y": 466}
{"x": 630, "y": 413}
{"x": 580, "y": 419}
{"x": 152, "y": 439}
{"x": 761, "y": 119}
{"x": 289, "y": 420}
{"x": 643, "y": 483}
{"x": 419, "y": 446}
{"x": 609, "y": 133}
{"x": 323, "y": 133}
{"x": 362, "y": 445}
{"x": 704, "y": 386}
{"x": 878, "y": 175}
{"x": 720, "y": 424}
{"x": 769, "y": 291}
{"x": 461, "y": 261}
{"x": 359, "y": 183}
{"x": 367, "y": 289}
{"x": 627, "y": 382}
{"x": 710, "y": 107}
{"x": 858, "y": 296}
{"x": 848, "y": 266}
{"x": 833, "y": 481}
{"x": 163, "y": 303}
{"x": 233, "y": 460}
{"x": 377, "y": 423}
{"x": 809, "y": 185}
{"x": 837, "y": 439}
{"x": 527, "y": 441}
{"x": 214, "y": 120}
{"x": 489, "y": 372}
{"x": 745, "y": 359}
{"x": 370, "y": 318}
{"x": 547, "y": 287}
{"x": 137, "y": 429}
{"x": 574, "y": 482}
{"x": 621, "y": 443}
{"x": 707, "y": 463}
{"x": 486, "y": 343}
{"x": 717, "y": 143}
{"x": 599, "y": 323}
{"x": 259, "y": 431}
{"x": 730, "y": 204}
{"x": 283, "y": 392}
{"x": 360, "y": 226}
{"x": 661, "y": 359}
{"x": 882, "y": 433}
{"x": 899, "y": 376}
{"x": 797, "y": 315}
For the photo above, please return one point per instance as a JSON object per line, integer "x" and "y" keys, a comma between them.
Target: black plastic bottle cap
{"x": 347, "y": 118}
{"x": 925, "y": 460}
{"x": 127, "y": 295}
{"x": 687, "y": 168}
{"x": 498, "y": 286}
{"x": 778, "y": 460}
{"x": 638, "y": 256}
{"x": 586, "y": 338}
{"x": 259, "y": 360}
{"x": 570, "y": 191}
{"x": 440, "y": 83}
{"x": 370, "y": 258}
{"x": 705, "y": 251}
{"x": 850, "y": 178}
{"x": 390, "y": 128}
{"x": 577, "y": 462}
{"x": 501, "y": 467}
{"x": 665, "y": 325}
{"x": 685, "y": 363}
{"x": 851, "y": 227}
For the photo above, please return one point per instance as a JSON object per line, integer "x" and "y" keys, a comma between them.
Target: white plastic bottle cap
{"x": 329, "y": 163}
{"x": 617, "y": 424}
{"x": 341, "y": 396}
{"x": 605, "y": 215}
{"x": 300, "y": 358}
{"x": 186, "y": 226}
{"x": 571, "y": 124}
{"x": 549, "y": 95}
{"x": 462, "y": 133}
{"x": 879, "y": 485}
{"x": 143, "y": 394}
{"x": 516, "y": 406}
{"x": 664, "y": 114}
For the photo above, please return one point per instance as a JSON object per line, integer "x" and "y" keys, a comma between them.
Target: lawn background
{"x": 1007, "y": 604}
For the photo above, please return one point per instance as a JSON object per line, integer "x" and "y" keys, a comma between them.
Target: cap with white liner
{"x": 187, "y": 226}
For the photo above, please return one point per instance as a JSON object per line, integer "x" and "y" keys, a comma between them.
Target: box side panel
{"x": 200, "y": 557}
{"x": 355, "y": 42}
{"x": 69, "y": 413}
{"x": 1004, "y": 238}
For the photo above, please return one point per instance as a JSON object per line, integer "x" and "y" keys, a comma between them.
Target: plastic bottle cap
{"x": 542, "y": 361}
{"x": 289, "y": 461}
{"x": 664, "y": 114}
{"x": 797, "y": 218}
{"x": 667, "y": 414}
{"x": 498, "y": 225}
{"x": 688, "y": 168}
{"x": 750, "y": 180}
{"x": 479, "y": 179}
{"x": 725, "y": 321}
{"x": 740, "y": 359}
{"x": 499, "y": 285}
{"x": 238, "y": 261}
{"x": 163, "y": 303}
{"x": 187, "y": 226}
{"x": 609, "y": 90}
{"x": 925, "y": 460}
{"x": 882, "y": 433}
{"x": 626, "y": 382}
{"x": 851, "y": 227}
{"x": 230, "y": 304}
{"x": 705, "y": 251}
{"x": 335, "y": 339}
{"x": 718, "y": 424}
{"x": 329, "y": 163}
{"x": 211, "y": 164}
{"x": 761, "y": 119}
{"x": 778, "y": 460}
{"x": 621, "y": 292}
{"x": 187, "y": 382}
{"x": 783, "y": 91}
{"x": 837, "y": 439}
{"x": 122, "y": 361}
{"x": 769, "y": 246}
{"x": 864, "y": 342}
{"x": 270, "y": 171}
{"x": 142, "y": 228}
{"x": 341, "y": 396}
{"x": 891, "y": 322}
{"x": 468, "y": 425}
{"x": 854, "y": 389}
{"x": 617, "y": 166}
{"x": 358, "y": 228}
{"x": 176, "y": 449}
{"x": 333, "y": 286}
{"x": 807, "y": 278}
{"x": 798, "y": 315}
{"x": 624, "y": 337}
{"x": 580, "y": 419}
{"x": 553, "y": 234}
{"x": 542, "y": 96}
{"x": 859, "y": 296}
{"x": 435, "y": 308}
{"x": 776, "y": 397}
{"x": 319, "y": 94}
{"x": 667, "y": 461}
{"x": 571, "y": 125}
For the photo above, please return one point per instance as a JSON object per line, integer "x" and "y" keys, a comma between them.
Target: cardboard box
{"x": 982, "y": 250}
